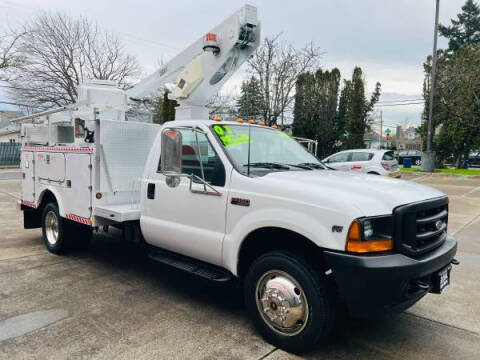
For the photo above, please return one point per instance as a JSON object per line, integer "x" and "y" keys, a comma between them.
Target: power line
{"x": 399, "y": 101}
{"x": 400, "y": 104}
{"x": 17, "y": 104}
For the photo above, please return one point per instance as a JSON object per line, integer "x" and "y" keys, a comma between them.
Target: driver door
{"x": 189, "y": 220}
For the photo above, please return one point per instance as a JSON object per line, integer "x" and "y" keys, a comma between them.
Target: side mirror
{"x": 171, "y": 156}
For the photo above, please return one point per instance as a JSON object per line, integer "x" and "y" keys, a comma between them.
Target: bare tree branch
{"x": 276, "y": 65}
{"x": 58, "y": 53}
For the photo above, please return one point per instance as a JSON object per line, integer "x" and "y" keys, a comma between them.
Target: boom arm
{"x": 199, "y": 71}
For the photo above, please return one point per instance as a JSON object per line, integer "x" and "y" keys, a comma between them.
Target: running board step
{"x": 196, "y": 267}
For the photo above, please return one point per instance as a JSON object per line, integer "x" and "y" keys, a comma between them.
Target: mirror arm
{"x": 205, "y": 184}
{"x": 199, "y": 157}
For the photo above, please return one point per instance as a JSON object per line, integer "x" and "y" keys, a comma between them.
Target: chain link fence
{"x": 9, "y": 153}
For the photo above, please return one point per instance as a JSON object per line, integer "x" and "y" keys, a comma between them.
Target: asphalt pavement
{"x": 111, "y": 303}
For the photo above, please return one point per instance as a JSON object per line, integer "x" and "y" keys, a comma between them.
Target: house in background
{"x": 409, "y": 139}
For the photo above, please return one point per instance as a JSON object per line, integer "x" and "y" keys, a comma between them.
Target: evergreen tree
{"x": 466, "y": 29}
{"x": 340, "y": 119}
{"x": 315, "y": 108}
{"x": 358, "y": 109}
{"x": 163, "y": 109}
{"x": 250, "y": 103}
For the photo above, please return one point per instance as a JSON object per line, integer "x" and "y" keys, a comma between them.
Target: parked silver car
{"x": 370, "y": 161}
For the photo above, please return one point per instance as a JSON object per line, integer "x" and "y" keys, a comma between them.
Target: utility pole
{"x": 428, "y": 161}
{"x": 381, "y": 128}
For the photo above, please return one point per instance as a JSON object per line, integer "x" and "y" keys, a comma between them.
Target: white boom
{"x": 199, "y": 71}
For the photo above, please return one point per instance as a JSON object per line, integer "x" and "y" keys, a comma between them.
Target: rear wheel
{"x": 373, "y": 173}
{"x": 290, "y": 303}
{"x": 53, "y": 229}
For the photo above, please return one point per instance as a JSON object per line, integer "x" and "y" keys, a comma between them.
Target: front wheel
{"x": 290, "y": 303}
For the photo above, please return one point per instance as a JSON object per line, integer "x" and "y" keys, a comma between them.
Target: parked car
{"x": 415, "y": 155}
{"x": 370, "y": 161}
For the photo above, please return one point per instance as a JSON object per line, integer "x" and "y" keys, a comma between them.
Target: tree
{"x": 250, "y": 102}
{"x": 358, "y": 109}
{"x": 315, "y": 110}
{"x": 277, "y": 65}
{"x": 9, "y": 58}
{"x": 59, "y": 53}
{"x": 465, "y": 30}
{"x": 457, "y": 103}
{"x": 223, "y": 106}
{"x": 163, "y": 108}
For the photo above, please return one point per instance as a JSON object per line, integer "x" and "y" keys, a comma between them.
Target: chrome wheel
{"x": 282, "y": 302}
{"x": 51, "y": 227}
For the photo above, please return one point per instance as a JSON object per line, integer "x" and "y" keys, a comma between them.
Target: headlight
{"x": 370, "y": 235}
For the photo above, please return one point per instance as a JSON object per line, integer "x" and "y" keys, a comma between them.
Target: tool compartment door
{"x": 28, "y": 177}
{"x": 78, "y": 194}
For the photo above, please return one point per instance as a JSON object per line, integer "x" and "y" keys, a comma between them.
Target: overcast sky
{"x": 389, "y": 39}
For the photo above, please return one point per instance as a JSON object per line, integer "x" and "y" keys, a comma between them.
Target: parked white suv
{"x": 369, "y": 161}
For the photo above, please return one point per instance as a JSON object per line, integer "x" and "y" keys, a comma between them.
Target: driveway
{"x": 111, "y": 303}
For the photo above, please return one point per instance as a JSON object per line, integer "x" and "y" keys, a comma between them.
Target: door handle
{"x": 151, "y": 191}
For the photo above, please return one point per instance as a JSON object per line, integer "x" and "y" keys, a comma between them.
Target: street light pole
{"x": 428, "y": 161}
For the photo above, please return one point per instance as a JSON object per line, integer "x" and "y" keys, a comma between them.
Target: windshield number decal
{"x": 228, "y": 138}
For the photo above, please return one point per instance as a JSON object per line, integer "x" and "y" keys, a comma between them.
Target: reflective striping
{"x": 58, "y": 148}
{"x": 29, "y": 204}
{"x": 79, "y": 219}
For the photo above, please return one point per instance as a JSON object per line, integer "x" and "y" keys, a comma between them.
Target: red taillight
{"x": 385, "y": 165}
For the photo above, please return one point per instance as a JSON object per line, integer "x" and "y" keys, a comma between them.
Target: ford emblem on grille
{"x": 438, "y": 224}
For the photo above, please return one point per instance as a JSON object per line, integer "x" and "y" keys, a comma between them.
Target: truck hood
{"x": 371, "y": 194}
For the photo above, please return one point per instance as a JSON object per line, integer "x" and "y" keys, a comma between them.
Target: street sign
{"x": 388, "y": 131}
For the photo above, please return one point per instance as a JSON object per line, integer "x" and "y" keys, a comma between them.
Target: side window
{"x": 388, "y": 156}
{"x": 361, "y": 156}
{"x": 342, "y": 157}
{"x": 194, "y": 154}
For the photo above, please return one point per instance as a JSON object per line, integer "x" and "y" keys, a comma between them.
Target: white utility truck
{"x": 232, "y": 200}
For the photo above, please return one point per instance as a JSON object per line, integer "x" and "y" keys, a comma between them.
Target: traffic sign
{"x": 388, "y": 131}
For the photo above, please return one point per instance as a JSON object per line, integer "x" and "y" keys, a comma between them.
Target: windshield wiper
{"x": 269, "y": 165}
{"x": 312, "y": 166}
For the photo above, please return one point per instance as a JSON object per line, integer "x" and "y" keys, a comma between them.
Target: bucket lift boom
{"x": 195, "y": 75}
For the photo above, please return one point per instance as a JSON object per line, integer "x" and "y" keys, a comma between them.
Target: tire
{"x": 54, "y": 230}
{"x": 373, "y": 173}
{"x": 282, "y": 274}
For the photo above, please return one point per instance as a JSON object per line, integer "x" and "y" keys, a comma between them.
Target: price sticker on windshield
{"x": 228, "y": 137}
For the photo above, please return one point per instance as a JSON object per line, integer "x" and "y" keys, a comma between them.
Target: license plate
{"x": 441, "y": 279}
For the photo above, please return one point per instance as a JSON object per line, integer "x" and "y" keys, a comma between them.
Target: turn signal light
{"x": 355, "y": 243}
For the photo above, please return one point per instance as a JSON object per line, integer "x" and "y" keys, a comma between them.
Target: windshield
{"x": 269, "y": 149}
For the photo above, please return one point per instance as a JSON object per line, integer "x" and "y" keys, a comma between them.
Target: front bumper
{"x": 386, "y": 283}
